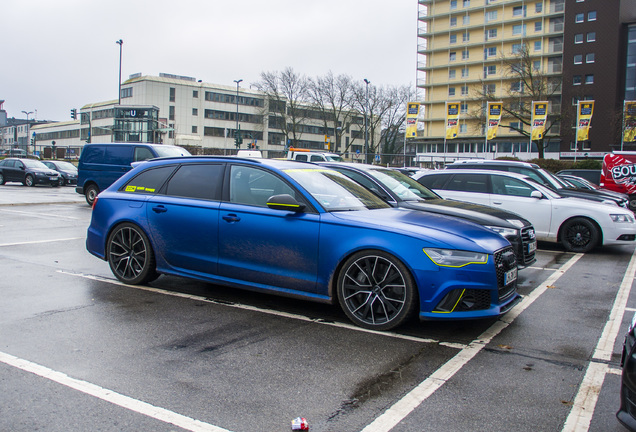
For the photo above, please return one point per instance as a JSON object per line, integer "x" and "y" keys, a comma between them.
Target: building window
{"x": 451, "y": 91}
{"x": 465, "y": 54}
{"x": 589, "y": 58}
{"x": 490, "y": 52}
{"x": 519, "y": 29}
{"x": 463, "y": 128}
{"x": 453, "y": 38}
{"x": 536, "y": 65}
{"x": 466, "y": 20}
{"x": 453, "y": 4}
{"x": 195, "y": 93}
{"x": 579, "y": 18}
{"x": 538, "y": 26}
{"x": 463, "y": 108}
{"x": 464, "y": 72}
{"x": 538, "y": 7}
{"x": 452, "y": 56}
{"x": 466, "y": 3}
{"x": 591, "y": 36}
{"x": 464, "y": 90}
{"x": 591, "y": 16}
{"x": 195, "y": 111}
{"x": 516, "y": 87}
{"x": 576, "y": 80}
{"x": 173, "y": 93}
{"x": 491, "y": 34}
{"x": 491, "y": 16}
{"x": 589, "y": 79}
{"x": 171, "y": 112}
{"x": 537, "y": 46}
{"x": 453, "y": 22}
{"x": 194, "y": 129}
{"x": 489, "y": 89}
{"x": 451, "y": 74}
{"x": 465, "y": 37}
{"x": 126, "y": 92}
{"x": 578, "y": 38}
{"x": 518, "y": 11}
{"x": 578, "y": 58}
{"x": 516, "y": 48}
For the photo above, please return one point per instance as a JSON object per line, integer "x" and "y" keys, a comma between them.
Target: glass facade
{"x": 630, "y": 70}
{"x": 136, "y": 124}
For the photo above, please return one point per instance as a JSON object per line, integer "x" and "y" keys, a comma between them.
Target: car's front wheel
{"x": 29, "y": 180}
{"x": 130, "y": 255}
{"x": 579, "y": 235}
{"x": 376, "y": 290}
{"x": 62, "y": 181}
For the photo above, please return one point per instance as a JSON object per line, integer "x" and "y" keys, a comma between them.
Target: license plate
{"x": 52, "y": 178}
{"x": 532, "y": 247}
{"x": 510, "y": 276}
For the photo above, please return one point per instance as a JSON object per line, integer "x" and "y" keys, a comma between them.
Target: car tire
{"x": 130, "y": 255}
{"x": 1, "y": 179}
{"x": 29, "y": 180}
{"x": 579, "y": 235}
{"x": 375, "y": 290}
{"x": 62, "y": 182}
{"x": 91, "y": 193}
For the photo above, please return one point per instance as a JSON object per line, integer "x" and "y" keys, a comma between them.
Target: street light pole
{"x": 120, "y": 42}
{"x": 366, "y": 124}
{"x": 28, "y": 113}
{"x": 237, "y": 107}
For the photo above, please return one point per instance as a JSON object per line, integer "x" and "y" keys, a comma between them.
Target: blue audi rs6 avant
{"x": 299, "y": 230}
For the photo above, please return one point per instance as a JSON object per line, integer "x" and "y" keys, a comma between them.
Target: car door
{"x": 15, "y": 171}
{"x": 263, "y": 246}
{"x": 474, "y": 188}
{"x": 183, "y": 217}
{"x": 515, "y": 195}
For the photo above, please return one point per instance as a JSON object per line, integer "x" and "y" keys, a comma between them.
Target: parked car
{"x": 542, "y": 176}
{"x": 400, "y": 190}
{"x": 14, "y": 152}
{"x": 288, "y": 228}
{"x": 578, "y": 224}
{"x": 626, "y": 413}
{"x": 100, "y": 164}
{"x": 29, "y": 172}
{"x": 591, "y": 175}
{"x": 581, "y": 183}
{"x": 67, "y": 171}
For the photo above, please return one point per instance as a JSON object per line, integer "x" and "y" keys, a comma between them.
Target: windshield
{"x": 334, "y": 158}
{"x": 402, "y": 185}
{"x": 67, "y": 166}
{"x": 334, "y": 191}
{"x": 555, "y": 182}
{"x": 29, "y": 163}
{"x": 170, "y": 151}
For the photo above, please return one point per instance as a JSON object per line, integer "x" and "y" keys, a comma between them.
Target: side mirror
{"x": 536, "y": 194}
{"x": 285, "y": 202}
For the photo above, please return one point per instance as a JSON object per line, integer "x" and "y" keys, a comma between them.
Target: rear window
{"x": 434, "y": 181}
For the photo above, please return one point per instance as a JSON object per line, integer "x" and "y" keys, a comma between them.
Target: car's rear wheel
{"x": 29, "y": 180}
{"x": 1, "y": 179}
{"x": 376, "y": 290}
{"x": 130, "y": 255}
{"x": 91, "y": 192}
{"x": 579, "y": 235}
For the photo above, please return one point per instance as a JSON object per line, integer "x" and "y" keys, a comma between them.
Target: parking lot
{"x": 81, "y": 351}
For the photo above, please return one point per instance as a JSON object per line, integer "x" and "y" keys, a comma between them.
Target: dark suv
{"x": 400, "y": 190}
{"x": 542, "y": 176}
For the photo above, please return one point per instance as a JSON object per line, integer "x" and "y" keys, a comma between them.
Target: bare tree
{"x": 287, "y": 96}
{"x": 394, "y": 123}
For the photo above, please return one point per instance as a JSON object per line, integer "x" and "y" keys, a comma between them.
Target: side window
{"x": 117, "y": 155}
{"x": 142, "y": 154}
{"x": 253, "y": 186}
{"x": 434, "y": 181}
{"x": 149, "y": 181}
{"x": 301, "y": 158}
{"x": 200, "y": 181}
{"x": 469, "y": 183}
{"x": 511, "y": 187}
{"x": 317, "y": 158}
{"x": 9, "y": 164}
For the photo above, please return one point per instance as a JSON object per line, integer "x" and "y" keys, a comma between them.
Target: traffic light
{"x": 237, "y": 139}
{"x": 74, "y": 113}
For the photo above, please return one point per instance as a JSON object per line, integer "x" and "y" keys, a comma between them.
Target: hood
{"x": 435, "y": 230}
{"x": 480, "y": 214}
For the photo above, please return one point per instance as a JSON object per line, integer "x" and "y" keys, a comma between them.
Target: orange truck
{"x": 619, "y": 174}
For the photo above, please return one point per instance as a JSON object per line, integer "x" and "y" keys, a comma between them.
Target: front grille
{"x": 505, "y": 260}
{"x": 474, "y": 299}
{"x": 528, "y": 236}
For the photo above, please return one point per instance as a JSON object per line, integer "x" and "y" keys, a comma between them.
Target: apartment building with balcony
{"x": 467, "y": 50}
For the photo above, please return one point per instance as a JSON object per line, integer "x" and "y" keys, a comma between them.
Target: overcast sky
{"x": 62, "y": 54}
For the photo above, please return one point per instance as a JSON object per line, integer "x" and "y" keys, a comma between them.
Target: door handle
{"x": 159, "y": 209}
{"x": 231, "y": 218}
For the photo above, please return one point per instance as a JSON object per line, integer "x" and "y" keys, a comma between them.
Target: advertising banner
{"x": 412, "y": 111}
{"x": 494, "y": 117}
{"x": 629, "y": 113}
{"x": 585, "y": 110}
{"x": 539, "y": 117}
{"x": 452, "y": 120}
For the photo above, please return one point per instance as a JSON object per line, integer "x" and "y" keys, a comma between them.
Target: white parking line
{"x": 269, "y": 311}
{"x": 395, "y": 414}
{"x": 39, "y": 214}
{"x": 580, "y": 416}
{"x": 40, "y": 241}
{"x": 129, "y": 403}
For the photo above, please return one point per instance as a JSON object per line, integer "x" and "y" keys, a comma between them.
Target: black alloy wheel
{"x": 579, "y": 235}
{"x": 376, "y": 290}
{"x": 130, "y": 255}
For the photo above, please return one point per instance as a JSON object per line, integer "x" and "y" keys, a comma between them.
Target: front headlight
{"x": 622, "y": 218}
{"x": 506, "y": 232}
{"x": 455, "y": 258}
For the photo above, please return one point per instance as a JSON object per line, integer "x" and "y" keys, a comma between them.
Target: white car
{"x": 578, "y": 224}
